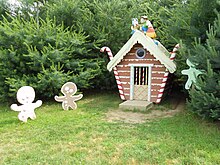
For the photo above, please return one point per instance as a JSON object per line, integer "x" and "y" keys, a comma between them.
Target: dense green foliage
{"x": 43, "y": 55}
{"x": 205, "y": 99}
{"x": 4, "y": 8}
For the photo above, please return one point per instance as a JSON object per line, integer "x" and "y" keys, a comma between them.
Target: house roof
{"x": 158, "y": 51}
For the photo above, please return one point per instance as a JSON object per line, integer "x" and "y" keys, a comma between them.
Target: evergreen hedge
{"x": 44, "y": 55}
{"x": 205, "y": 98}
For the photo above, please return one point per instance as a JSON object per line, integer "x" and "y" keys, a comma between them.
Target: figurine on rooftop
{"x": 147, "y": 27}
{"x": 135, "y": 25}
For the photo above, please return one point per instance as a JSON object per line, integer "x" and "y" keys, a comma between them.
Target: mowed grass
{"x": 84, "y": 136}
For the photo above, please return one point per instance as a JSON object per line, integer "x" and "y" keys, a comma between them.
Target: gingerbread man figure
{"x": 68, "y": 100}
{"x": 25, "y": 96}
{"x": 192, "y": 74}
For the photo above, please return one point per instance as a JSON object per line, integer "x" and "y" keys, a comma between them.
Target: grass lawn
{"x": 84, "y": 136}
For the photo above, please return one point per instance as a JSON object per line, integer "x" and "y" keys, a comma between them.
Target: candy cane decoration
{"x": 166, "y": 74}
{"x": 109, "y": 52}
{"x": 173, "y": 53}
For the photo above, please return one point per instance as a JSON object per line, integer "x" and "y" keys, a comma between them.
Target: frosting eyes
{"x": 67, "y": 88}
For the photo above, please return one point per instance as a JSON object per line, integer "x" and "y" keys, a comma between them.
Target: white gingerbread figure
{"x": 25, "y": 96}
{"x": 68, "y": 89}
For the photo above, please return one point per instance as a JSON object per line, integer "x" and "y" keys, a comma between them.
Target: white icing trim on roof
{"x": 158, "y": 51}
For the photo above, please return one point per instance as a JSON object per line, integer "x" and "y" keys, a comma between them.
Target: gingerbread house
{"x": 142, "y": 68}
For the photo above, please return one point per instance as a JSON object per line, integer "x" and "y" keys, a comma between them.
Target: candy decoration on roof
{"x": 147, "y": 27}
{"x": 135, "y": 25}
{"x": 68, "y": 100}
{"x": 192, "y": 74}
{"x": 25, "y": 96}
{"x": 109, "y": 52}
{"x": 166, "y": 74}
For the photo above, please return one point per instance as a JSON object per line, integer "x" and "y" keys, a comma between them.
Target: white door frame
{"x": 132, "y": 79}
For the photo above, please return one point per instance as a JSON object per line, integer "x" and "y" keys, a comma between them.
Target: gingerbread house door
{"x": 140, "y": 83}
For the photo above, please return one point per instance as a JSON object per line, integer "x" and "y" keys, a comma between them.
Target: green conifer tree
{"x": 4, "y": 8}
{"x": 205, "y": 98}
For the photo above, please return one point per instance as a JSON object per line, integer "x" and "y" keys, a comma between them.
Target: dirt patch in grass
{"x": 136, "y": 117}
{"x": 156, "y": 112}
